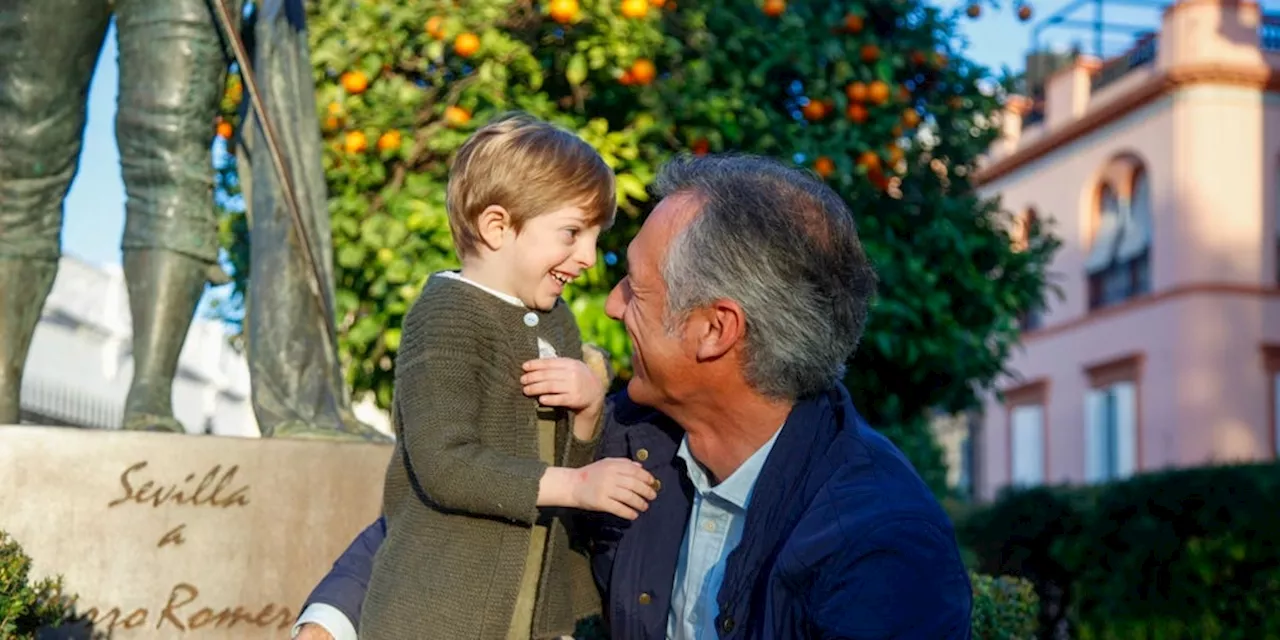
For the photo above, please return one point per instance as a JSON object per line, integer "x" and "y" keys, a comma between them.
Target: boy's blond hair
{"x": 528, "y": 167}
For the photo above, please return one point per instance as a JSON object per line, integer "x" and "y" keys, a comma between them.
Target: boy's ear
{"x": 492, "y": 225}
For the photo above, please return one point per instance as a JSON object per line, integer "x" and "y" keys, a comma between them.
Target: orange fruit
{"x": 917, "y": 58}
{"x": 974, "y": 10}
{"x": 466, "y": 45}
{"x": 456, "y": 116}
{"x": 876, "y": 176}
{"x": 856, "y": 113}
{"x": 869, "y": 159}
{"x": 355, "y": 82}
{"x": 896, "y": 131}
{"x": 878, "y": 92}
{"x": 355, "y": 142}
{"x": 627, "y": 78}
{"x": 331, "y": 123}
{"x": 904, "y": 94}
{"x": 870, "y": 53}
{"x": 225, "y": 130}
{"x": 852, "y": 23}
{"x": 774, "y": 8}
{"x": 700, "y": 147}
{"x": 235, "y": 91}
{"x": 939, "y": 59}
{"x": 435, "y": 27}
{"x": 389, "y": 141}
{"x": 635, "y": 8}
{"x": 824, "y": 166}
{"x": 856, "y": 91}
{"x": 814, "y": 111}
{"x": 895, "y": 154}
{"x": 563, "y": 11}
{"x": 657, "y": 3}
{"x": 1024, "y": 12}
{"x": 910, "y": 118}
{"x": 643, "y": 71}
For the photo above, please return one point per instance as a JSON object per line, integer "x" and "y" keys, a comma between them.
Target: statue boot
{"x": 24, "y": 285}
{"x": 164, "y": 289}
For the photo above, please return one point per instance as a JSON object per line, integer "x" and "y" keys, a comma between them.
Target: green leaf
{"x": 576, "y": 72}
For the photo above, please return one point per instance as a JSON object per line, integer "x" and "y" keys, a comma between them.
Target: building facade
{"x": 1159, "y": 170}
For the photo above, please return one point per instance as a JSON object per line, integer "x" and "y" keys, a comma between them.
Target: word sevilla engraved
{"x": 213, "y": 490}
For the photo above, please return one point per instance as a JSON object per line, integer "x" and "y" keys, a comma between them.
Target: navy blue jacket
{"x": 842, "y": 540}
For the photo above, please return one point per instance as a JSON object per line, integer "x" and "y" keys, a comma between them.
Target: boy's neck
{"x": 484, "y": 272}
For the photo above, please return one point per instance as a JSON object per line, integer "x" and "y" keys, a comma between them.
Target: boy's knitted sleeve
{"x": 441, "y": 380}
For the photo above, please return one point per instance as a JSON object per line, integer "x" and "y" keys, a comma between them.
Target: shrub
{"x": 1164, "y": 556}
{"x": 26, "y": 607}
{"x": 1004, "y": 608}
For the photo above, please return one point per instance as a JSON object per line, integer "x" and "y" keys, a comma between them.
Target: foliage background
{"x": 874, "y": 95}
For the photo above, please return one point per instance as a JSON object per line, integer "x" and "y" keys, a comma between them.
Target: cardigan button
{"x": 645, "y": 598}
{"x": 531, "y": 319}
{"x": 642, "y": 455}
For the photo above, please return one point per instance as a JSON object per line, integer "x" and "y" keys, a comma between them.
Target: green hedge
{"x": 26, "y": 607}
{"x": 1192, "y": 553}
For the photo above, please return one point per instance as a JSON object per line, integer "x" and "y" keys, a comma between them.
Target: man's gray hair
{"x": 781, "y": 244}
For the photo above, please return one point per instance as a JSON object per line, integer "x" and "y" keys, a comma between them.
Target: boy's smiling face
{"x": 547, "y": 253}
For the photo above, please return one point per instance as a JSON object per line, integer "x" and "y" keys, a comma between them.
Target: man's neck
{"x": 721, "y": 438}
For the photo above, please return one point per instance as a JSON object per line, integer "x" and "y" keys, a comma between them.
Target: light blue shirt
{"x": 715, "y": 528}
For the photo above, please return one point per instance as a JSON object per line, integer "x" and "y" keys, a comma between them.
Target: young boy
{"x": 496, "y": 415}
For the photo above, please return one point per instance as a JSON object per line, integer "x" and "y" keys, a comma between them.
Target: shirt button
{"x": 657, "y": 485}
{"x": 531, "y": 319}
{"x": 642, "y": 455}
{"x": 726, "y": 625}
{"x": 645, "y": 598}
{"x": 709, "y": 525}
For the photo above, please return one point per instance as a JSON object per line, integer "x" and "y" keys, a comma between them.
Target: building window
{"x": 1119, "y": 263}
{"x": 1111, "y": 420}
{"x": 1028, "y": 451}
{"x": 1024, "y": 225}
{"x": 1271, "y": 367}
{"x": 1027, "y": 423}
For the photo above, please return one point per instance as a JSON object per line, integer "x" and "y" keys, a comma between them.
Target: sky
{"x": 94, "y": 218}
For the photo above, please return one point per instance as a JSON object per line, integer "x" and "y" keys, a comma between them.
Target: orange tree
{"x": 870, "y": 95}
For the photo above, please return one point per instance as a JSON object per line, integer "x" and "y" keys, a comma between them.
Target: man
{"x": 779, "y": 513}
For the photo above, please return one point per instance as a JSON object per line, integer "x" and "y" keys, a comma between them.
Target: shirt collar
{"x": 509, "y": 299}
{"x": 736, "y": 489}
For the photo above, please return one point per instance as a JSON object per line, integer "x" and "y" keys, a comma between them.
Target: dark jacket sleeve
{"x": 344, "y": 586}
{"x": 903, "y": 580}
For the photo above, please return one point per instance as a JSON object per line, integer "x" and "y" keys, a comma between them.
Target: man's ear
{"x": 492, "y": 225}
{"x": 720, "y": 326}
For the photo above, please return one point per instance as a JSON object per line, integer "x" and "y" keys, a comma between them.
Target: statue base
{"x": 167, "y": 536}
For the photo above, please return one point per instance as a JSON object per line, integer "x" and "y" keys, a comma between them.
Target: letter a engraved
{"x": 173, "y": 537}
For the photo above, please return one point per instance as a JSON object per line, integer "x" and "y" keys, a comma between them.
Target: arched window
{"x": 1119, "y": 262}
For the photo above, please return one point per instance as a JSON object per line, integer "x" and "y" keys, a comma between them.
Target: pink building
{"x": 1160, "y": 172}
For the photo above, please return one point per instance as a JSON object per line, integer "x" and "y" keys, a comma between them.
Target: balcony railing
{"x": 1269, "y": 33}
{"x": 1142, "y": 54}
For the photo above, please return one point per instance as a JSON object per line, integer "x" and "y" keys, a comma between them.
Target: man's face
{"x": 661, "y": 362}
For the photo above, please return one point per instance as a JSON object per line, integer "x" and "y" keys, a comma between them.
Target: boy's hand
{"x": 563, "y": 382}
{"x": 614, "y": 485}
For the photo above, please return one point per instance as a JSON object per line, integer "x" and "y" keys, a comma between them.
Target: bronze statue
{"x": 173, "y": 62}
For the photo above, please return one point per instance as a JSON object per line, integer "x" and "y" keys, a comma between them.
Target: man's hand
{"x": 311, "y": 631}
{"x": 563, "y": 382}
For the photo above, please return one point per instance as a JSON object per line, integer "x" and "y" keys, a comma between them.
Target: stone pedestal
{"x": 174, "y": 536}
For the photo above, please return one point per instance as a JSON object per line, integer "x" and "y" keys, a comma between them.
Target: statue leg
{"x": 48, "y": 50}
{"x": 172, "y": 75}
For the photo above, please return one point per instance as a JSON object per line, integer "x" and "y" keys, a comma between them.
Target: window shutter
{"x": 1136, "y": 236}
{"x": 1094, "y": 443}
{"x": 1028, "y": 445}
{"x": 1126, "y": 404}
